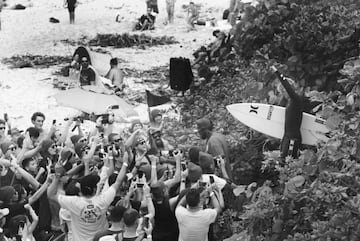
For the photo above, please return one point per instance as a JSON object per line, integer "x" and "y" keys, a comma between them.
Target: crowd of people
{"x": 114, "y": 183}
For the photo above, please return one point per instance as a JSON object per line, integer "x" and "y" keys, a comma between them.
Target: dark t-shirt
{"x": 9, "y": 179}
{"x": 166, "y": 226}
{"x": 87, "y": 76}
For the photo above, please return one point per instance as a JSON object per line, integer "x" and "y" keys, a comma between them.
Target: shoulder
{"x": 180, "y": 210}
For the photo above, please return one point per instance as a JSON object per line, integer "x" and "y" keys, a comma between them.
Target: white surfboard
{"x": 270, "y": 120}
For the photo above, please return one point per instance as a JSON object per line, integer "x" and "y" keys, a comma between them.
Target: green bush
{"x": 312, "y": 39}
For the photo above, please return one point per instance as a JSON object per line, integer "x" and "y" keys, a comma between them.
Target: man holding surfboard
{"x": 291, "y": 140}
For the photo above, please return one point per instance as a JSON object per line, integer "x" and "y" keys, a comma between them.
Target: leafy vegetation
{"x": 24, "y": 61}
{"x": 312, "y": 38}
{"x": 314, "y": 197}
{"x": 123, "y": 40}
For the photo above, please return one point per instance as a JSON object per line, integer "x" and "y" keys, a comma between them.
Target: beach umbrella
{"x": 96, "y": 103}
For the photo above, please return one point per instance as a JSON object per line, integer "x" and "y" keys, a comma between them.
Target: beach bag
{"x": 181, "y": 75}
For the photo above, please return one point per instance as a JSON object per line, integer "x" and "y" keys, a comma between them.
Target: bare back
{"x": 116, "y": 76}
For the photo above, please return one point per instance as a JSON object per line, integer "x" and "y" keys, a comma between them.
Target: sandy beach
{"x": 29, "y": 31}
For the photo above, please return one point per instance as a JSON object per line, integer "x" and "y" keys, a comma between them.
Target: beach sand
{"x": 24, "y": 91}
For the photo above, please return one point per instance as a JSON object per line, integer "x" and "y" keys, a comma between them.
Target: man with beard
{"x": 216, "y": 144}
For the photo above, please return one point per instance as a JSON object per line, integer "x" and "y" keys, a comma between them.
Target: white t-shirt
{"x": 65, "y": 217}
{"x": 220, "y": 182}
{"x": 194, "y": 226}
{"x": 88, "y": 215}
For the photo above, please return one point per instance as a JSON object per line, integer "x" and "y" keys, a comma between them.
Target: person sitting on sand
{"x": 146, "y": 21}
{"x": 87, "y": 74}
{"x": 116, "y": 75}
{"x": 193, "y": 15}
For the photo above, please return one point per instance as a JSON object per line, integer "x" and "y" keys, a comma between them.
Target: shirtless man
{"x": 115, "y": 75}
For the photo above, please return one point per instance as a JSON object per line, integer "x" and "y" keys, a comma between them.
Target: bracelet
{"x": 212, "y": 194}
{"x": 183, "y": 180}
{"x": 153, "y": 166}
{"x": 125, "y": 164}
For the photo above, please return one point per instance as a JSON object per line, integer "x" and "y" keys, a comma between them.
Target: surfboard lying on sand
{"x": 270, "y": 120}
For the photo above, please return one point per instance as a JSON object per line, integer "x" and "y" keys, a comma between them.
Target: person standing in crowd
{"x": 291, "y": 141}
{"x": 216, "y": 144}
{"x": 3, "y": 136}
{"x": 71, "y": 5}
{"x": 170, "y": 7}
{"x": 194, "y": 221}
{"x": 116, "y": 75}
{"x": 116, "y": 219}
{"x": 88, "y": 212}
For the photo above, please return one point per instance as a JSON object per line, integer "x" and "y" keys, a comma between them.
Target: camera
{"x": 146, "y": 222}
{"x": 211, "y": 179}
{"x": 183, "y": 166}
{"x": 174, "y": 152}
{"x": 202, "y": 184}
{"x": 105, "y": 119}
{"x": 218, "y": 161}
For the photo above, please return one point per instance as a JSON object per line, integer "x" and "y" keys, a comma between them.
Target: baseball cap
{"x": 80, "y": 148}
{"x": 204, "y": 123}
{"x": 89, "y": 181}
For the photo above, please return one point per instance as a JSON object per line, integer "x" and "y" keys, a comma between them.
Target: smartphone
{"x": 183, "y": 166}
{"x": 6, "y": 118}
{"x": 105, "y": 119}
{"x": 140, "y": 174}
{"x": 54, "y": 122}
{"x": 211, "y": 179}
{"x": 202, "y": 184}
{"x": 146, "y": 222}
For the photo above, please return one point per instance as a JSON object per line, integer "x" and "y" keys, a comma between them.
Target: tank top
{"x": 166, "y": 226}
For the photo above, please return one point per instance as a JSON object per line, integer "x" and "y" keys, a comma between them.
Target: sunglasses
{"x": 53, "y": 146}
{"x": 83, "y": 140}
{"x": 2, "y": 128}
{"x": 118, "y": 140}
{"x": 141, "y": 142}
{"x": 13, "y": 148}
